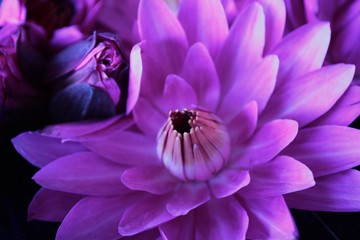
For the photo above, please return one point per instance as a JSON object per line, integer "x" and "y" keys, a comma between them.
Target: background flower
{"x": 249, "y": 119}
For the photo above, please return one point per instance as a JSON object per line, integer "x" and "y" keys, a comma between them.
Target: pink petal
{"x": 228, "y": 181}
{"x": 82, "y": 173}
{"x": 13, "y": 12}
{"x": 152, "y": 179}
{"x": 243, "y": 125}
{"x": 221, "y": 219}
{"x": 275, "y": 16}
{"x": 204, "y": 21}
{"x": 65, "y": 36}
{"x": 144, "y": 213}
{"x": 265, "y": 144}
{"x": 187, "y": 197}
{"x": 142, "y": 113}
{"x": 277, "y": 177}
{"x": 178, "y": 94}
{"x": 40, "y": 150}
{"x": 126, "y": 147}
{"x": 199, "y": 70}
{"x": 258, "y": 86}
{"x": 336, "y": 193}
{"x": 159, "y": 26}
{"x": 345, "y": 110}
{"x": 94, "y": 218}
{"x": 49, "y": 205}
{"x": 310, "y": 96}
{"x": 302, "y": 51}
{"x": 76, "y": 129}
{"x": 243, "y": 47}
{"x": 326, "y": 149}
{"x": 134, "y": 77}
{"x": 270, "y": 218}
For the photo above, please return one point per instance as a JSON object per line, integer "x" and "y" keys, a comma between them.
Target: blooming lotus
{"x": 220, "y": 142}
{"x": 89, "y": 79}
{"x": 344, "y": 19}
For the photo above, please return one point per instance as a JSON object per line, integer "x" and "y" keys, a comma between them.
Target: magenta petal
{"x": 65, "y": 36}
{"x": 159, "y": 26}
{"x": 228, "y": 182}
{"x": 310, "y": 96}
{"x": 221, "y": 219}
{"x": 94, "y": 218}
{"x": 266, "y": 143}
{"x": 244, "y": 123}
{"x": 204, "y": 21}
{"x": 150, "y": 126}
{"x": 153, "y": 179}
{"x": 82, "y": 173}
{"x": 77, "y": 129}
{"x": 277, "y": 177}
{"x": 49, "y": 205}
{"x": 336, "y": 193}
{"x": 180, "y": 228}
{"x": 270, "y": 218}
{"x": 31, "y": 146}
{"x": 174, "y": 91}
{"x": 302, "y": 51}
{"x": 258, "y": 87}
{"x": 275, "y": 16}
{"x": 13, "y": 12}
{"x": 345, "y": 110}
{"x": 326, "y": 149}
{"x": 126, "y": 148}
{"x": 134, "y": 77}
{"x": 187, "y": 197}
{"x": 145, "y": 213}
{"x": 243, "y": 47}
{"x": 199, "y": 70}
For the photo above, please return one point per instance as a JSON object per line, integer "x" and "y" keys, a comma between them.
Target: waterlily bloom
{"x": 220, "y": 142}
{"x": 345, "y": 20}
{"x": 89, "y": 79}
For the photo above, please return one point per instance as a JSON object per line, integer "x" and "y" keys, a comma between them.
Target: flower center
{"x": 193, "y": 144}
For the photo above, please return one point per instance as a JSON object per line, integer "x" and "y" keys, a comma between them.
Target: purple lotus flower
{"x": 345, "y": 20}
{"x": 89, "y": 79}
{"x": 221, "y": 140}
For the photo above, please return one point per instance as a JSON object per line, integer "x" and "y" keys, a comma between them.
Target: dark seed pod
{"x": 81, "y": 102}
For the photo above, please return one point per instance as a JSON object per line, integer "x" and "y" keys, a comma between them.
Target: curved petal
{"x": 144, "y": 213}
{"x": 77, "y": 129}
{"x": 199, "y": 70}
{"x": 49, "y": 205}
{"x": 335, "y": 193}
{"x": 187, "y": 197}
{"x": 270, "y": 218}
{"x": 180, "y": 228}
{"x": 326, "y": 149}
{"x": 126, "y": 148}
{"x": 277, "y": 177}
{"x": 345, "y": 110}
{"x": 258, "y": 86}
{"x": 310, "y": 96}
{"x": 31, "y": 146}
{"x": 265, "y": 144}
{"x": 221, "y": 219}
{"x": 160, "y": 27}
{"x": 94, "y": 218}
{"x": 153, "y": 179}
{"x": 82, "y": 173}
{"x": 148, "y": 118}
{"x": 243, "y": 47}
{"x": 204, "y": 21}
{"x": 228, "y": 181}
{"x": 135, "y": 73}
{"x": 275, "y": 16}
{"x": 302, "y": 51}
{"x": 178, "y": 94}
{"x": 243, "y": 125}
